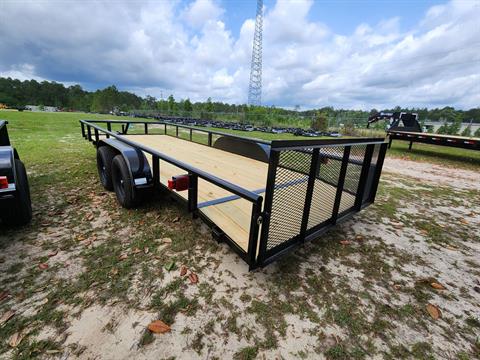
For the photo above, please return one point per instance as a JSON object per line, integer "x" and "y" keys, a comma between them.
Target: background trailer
{"x": 405, "y": 126}
{"x": 262, "y": 198}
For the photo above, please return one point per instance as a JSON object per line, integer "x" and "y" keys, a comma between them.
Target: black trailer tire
{"x": 123, "y": 183}
{"x": 105, "y": 155}
{"x": 18, "y": 211}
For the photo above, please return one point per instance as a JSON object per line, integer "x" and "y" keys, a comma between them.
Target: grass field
{"x": 86, "y": 277}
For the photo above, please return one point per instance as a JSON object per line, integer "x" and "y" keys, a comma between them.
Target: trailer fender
{"x": 250, "y": 149}
{"x": 136, "y": 161}
{"x": 7, "y": 162}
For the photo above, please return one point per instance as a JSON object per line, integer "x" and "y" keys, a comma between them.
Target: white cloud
{"x": 201, "y": 12}
{"x": 167, "y": 47}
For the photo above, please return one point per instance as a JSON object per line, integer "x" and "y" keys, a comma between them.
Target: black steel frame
{"x": 433, "y": 139}
{"x": 260, "y": 217}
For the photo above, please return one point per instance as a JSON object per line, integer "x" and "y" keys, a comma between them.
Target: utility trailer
{"x": 462, "y": 142}
{"x": 405, "y": 126}
{"x": 15, "y": 205}
{"x": 262, "y": 198}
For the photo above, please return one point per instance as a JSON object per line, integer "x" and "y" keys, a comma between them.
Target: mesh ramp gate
{"x": 310, "y": 189}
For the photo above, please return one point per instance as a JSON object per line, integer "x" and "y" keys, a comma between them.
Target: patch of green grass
{"x": 35, "y": 349}
{"x": 444, "y": 155}
{"x": 172, "y": 287}
{"x": 422, "y": 350}
{"x": 181, "y": 303}
{"x": 15, "y": 268}
{"x": 147, "y": 338}
{"x": 337, "y": 352}
{"x": 246, "y": 353}
{"x": 473, "y": 322}
{"x": 347, "y": 317}
{"x": 271, "y": 316}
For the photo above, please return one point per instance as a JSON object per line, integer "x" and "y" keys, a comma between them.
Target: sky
{"x": 342, "y": 53}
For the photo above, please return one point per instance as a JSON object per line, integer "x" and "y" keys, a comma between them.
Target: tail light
{"x": 179, "y": 183}
{"x": 3, "y": 182}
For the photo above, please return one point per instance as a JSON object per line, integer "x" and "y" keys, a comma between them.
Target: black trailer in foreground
{"x": 15, "y": 205}
{"x": 262, "y": 198}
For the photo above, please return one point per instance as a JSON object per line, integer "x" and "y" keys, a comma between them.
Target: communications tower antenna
{"x": 255, "y": 86}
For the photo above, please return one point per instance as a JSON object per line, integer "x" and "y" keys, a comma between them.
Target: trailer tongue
{"x": 262, "y": 198}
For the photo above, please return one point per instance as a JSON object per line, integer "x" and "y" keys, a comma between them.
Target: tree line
{"x": 16, "y": 93}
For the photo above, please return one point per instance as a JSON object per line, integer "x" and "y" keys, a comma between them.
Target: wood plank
{"x": 232, "y": 217}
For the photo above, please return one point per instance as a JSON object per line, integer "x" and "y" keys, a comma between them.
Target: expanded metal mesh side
{"x": 289, "y": 194}
{"x": 352, "y": 177}
{"x": 325, "y": 187}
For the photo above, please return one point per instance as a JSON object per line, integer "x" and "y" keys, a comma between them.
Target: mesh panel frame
{"x": 289, "y": 196}
{"x": 352, "y": 177}
{"x": 309, "y": 189}
{"x": 324, "y": 191}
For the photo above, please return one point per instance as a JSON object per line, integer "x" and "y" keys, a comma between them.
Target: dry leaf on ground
{"x": 3, "y": 295}
{"x": 176, "y": 219}
{"x": 345, "y": 242}
{"x": 123, "y": 257}
{"x": 437, "y": 286}
{"x": 183, "y": 270}
{"x": 359, "y": 238}
{"x": 6, "y": 316}
{"x": 15, "y": 339}
{"x": 158, "y": 327}
{"x": 166, "y": 240}
{"x": 53, "y": 253}
{"x": 193, "y": 278}
{"x": 136, "y": 250}
{"x": 434, "y": 311}
{"x": 43, "y": 266}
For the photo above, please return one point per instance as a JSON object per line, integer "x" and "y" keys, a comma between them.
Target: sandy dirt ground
{"x": 401, "y": 279}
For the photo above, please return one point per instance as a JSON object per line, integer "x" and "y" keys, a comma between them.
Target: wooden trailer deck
{"x": 232, "y": 216}
{"x": 227, "y": 211}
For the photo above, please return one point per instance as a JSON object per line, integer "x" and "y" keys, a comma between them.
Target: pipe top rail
{"x": 235, "y": 189}
{"x": 266, "y": 142}
{"x": 313, "y": 143}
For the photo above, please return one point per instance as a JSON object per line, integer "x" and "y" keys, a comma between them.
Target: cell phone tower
{"x": 255, "y": 87}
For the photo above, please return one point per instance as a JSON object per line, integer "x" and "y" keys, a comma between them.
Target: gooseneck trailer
{"x": 405, "y": 126}
{"x": 15, "y": 205}
{"x": 262, "y": 198}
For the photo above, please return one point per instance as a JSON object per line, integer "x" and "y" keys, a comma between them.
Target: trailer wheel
{"x": 105, "y": 155}
{"x": 123, "y": 183}
{"x": 18, "y": 211}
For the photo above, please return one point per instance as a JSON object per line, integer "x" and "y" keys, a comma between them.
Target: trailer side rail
{"x": 311, "y": 185}
{"x": 92, "y": 132}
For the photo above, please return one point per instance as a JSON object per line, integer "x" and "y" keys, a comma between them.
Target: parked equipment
{"x": 15, "y": 205}
{"x": 405, "y": 126}
{"x": 262, "y": 198}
